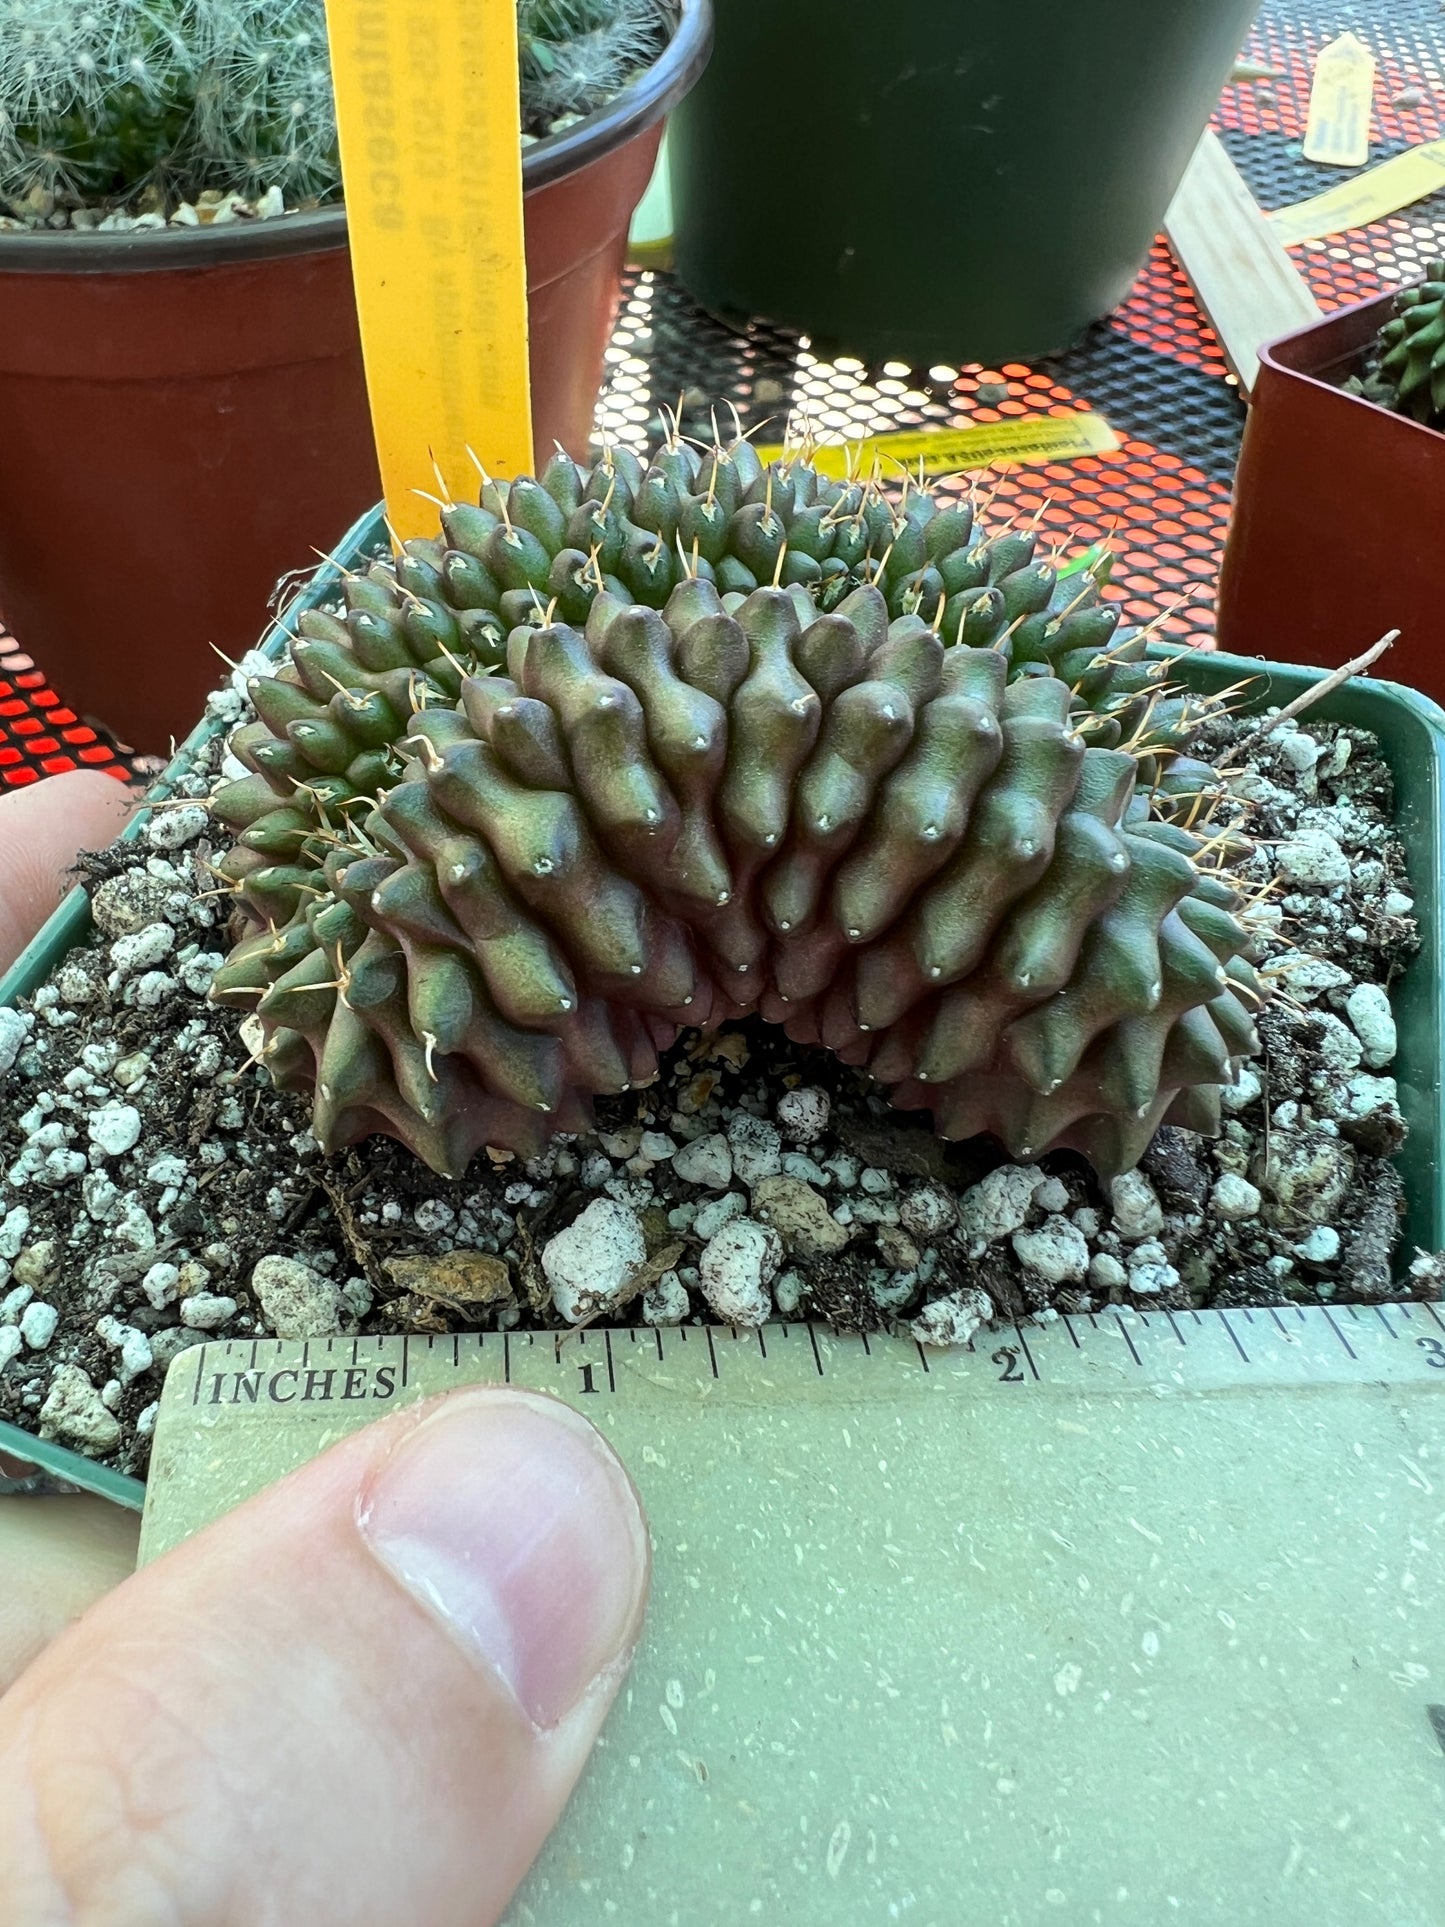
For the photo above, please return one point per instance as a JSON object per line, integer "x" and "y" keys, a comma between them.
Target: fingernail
{"x": 508, "y": 1518}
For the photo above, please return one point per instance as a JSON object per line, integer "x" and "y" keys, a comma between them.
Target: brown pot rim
{"x": 320, "y": 230}
{"x": 1335, "y": 324}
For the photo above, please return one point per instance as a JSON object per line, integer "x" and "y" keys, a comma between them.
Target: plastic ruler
{"x": 1127, "y": 1619}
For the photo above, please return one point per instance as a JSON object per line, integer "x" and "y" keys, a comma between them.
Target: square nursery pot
{"x": 1339, "y": 512}
{"x": 184, "y": 417}
{"x": 1411, "y": 734}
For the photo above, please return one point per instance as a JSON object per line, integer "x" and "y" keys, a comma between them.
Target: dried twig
{"x": 1321, "y": 689}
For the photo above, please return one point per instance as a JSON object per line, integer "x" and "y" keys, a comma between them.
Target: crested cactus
{"x": 629, "y": 751}
{"x": 1406, "y": 367}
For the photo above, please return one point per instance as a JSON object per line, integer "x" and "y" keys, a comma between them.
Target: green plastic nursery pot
{"x": 1411, "y": 732}
{"x": 184, "y": 418}
{"x": 931, "y": 181}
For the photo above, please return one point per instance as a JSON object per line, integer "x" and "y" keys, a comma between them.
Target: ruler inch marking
{"x": 922, "y": 1355}
{"x": 817, "y": 1355}
{"x": 1433, "y": 1313}
{"x": 711, "y": 1352}
{"x": 1027, "y": 1353}
{"x": 1379, "y": 1311}
{"x": 762, "y": 1347}
{"x": 611, "y": 1373}
{"x": 1234, "y": 1335}
{"x": 1128, "y": 1340}
{"x": 1329, "y": 1320}
{"x": 1069, "y": 1328}
{"x": 1173, "y": 1326}
{"x": 506, "y": 1358}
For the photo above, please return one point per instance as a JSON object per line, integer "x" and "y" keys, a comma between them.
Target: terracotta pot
{"x": 1336, "y": 530}
{"x": 184, "y": 413}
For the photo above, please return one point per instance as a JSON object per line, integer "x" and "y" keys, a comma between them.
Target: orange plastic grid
{"x": 1154, "y": 368}
{"x": 39, "y": 736}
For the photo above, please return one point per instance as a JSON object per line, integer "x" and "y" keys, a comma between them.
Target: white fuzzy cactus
{"x": 100, "y": 99}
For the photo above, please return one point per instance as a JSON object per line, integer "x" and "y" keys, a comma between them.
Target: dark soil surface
{"x": 155, "y": 1190}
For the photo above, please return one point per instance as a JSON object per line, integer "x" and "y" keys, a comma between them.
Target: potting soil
{"x": 155, "y": 1190}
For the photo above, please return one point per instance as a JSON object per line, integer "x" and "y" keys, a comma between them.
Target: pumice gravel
{"x": 156, "y": 1191}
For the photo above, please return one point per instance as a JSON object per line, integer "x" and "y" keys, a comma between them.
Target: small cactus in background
{"x": 101, "y": 99}
{"x": 576, "y": 54}
{"x": 763, "y": 743}
{"x": 1405, "y": 370}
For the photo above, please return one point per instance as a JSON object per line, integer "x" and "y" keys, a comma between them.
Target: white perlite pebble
{"x": 717, "y": 1212}
{"x": 1368, "y": 1009}
{"x": 10, "y": 1343}
{"x": 1150, "y": 1270}
{"x": 133, "y": 1345}
{"x": 1052, "y": 1195}
{"x": 1246, "y": 1087}
{"x": 1105, "y": 1272}
{"x": 707, "y": 1161}
{"x": 13, "y": 1303}
{"x": 38, "y": 1323}
{"x": 172, "y": 828}
{"x": 160, "y": 1285}
{"x": 999, "y": 1204}
{"x": 592, "y": 1264}
{"x": 207, "y": 1311}
{"x": 803, "y": 1114}
{"x": 1321, "y": 1247}
{"x": 143, "y": 949}
{"x": 1304, "y": 976}
{"x": 665, "y": 1301}
{"x": 73, "y": 1411}
{"x": 1057, "y": 1251}
{"x": 928, "y": 1212}
{"x": 298, "y": 1302}
{"x": 1137, "y": 1211}
{"x": 1312, "y": 856}
{"x": 114, "y": 1129}
{"x": 433, "y": 1215}
{"x": 735, "y": 1268}
{"x": 13, "y": 1228}
{"x": 757, "y": 1149}
{"x": 14, "y": 1029}
{"x": 952, "y": 1320}
{"x": 1234, "y": 1198}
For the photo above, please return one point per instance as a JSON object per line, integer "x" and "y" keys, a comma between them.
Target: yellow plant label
{"x": 943, "y": 451}
{"x": 429, "y": 122}
{"x": 1338, "y": 129}
{"x": 1370, "y": 196}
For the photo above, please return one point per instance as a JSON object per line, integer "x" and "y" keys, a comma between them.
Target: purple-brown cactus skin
{"x": 478, "y": 897}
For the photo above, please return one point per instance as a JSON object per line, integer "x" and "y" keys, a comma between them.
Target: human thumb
{"x": 364, "y": 1696}
{"x": 42, "y": 827}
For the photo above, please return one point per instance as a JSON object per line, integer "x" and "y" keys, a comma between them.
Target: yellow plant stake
{"x": 430, "y": 131}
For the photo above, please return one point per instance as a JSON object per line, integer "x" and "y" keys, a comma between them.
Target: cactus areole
{"x": 631, "y": 751}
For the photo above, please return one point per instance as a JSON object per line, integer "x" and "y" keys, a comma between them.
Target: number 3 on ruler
{"x": 1434, "y": 1352}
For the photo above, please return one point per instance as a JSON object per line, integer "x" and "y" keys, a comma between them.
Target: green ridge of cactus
{"x": 1406, "y": 367}
{"x": 632, "y": 750}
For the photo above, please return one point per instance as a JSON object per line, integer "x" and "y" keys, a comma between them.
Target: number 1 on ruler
{"x": 429, "y": 121}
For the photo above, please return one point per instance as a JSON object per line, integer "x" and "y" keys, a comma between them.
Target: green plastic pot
{"x": 1411, "y": 732}
{"x": 932, "y": 181}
